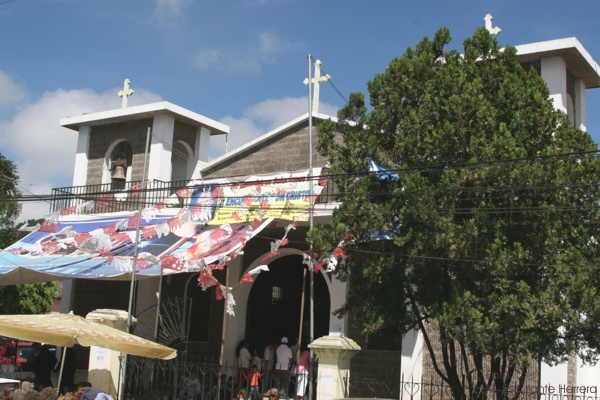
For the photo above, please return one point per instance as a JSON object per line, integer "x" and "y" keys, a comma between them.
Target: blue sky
{"x": 240, "y": 62}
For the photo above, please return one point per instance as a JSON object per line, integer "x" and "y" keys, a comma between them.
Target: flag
{"x": 380, "y": 171}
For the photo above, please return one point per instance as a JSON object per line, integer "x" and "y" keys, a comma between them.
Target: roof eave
{"x": 579, "y": 62}
{"x": 144, "y": 111}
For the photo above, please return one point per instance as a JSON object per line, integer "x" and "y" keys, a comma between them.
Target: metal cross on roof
{"x": 125, "y": 93}
{"x": 318, "y": 78}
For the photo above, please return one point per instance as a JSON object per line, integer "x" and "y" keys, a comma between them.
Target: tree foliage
{"x": 28, "y": 298}
{"x": 484, "y": 239}
{"x": 9, "y": 178}
{"x": 9, "y": 207}
{"x": 18, "y": 299}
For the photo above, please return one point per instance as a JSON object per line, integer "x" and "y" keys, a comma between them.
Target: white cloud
{"x": 169, "y": 12}
{"x": 242, "y": 130}
{"x": 43, "y": 151}
{"x": 277, "y": 112}
{"x": 207, "y": 57}
{"x": 249, "y": 58}
{"x": 262, "y": 118}
{"x": 10, "y": 92}
{"x": 269, "y": 45}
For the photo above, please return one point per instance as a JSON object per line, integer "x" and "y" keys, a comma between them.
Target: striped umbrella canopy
{"x": 67, "y": 330}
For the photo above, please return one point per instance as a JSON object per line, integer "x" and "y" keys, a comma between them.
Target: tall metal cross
{"x": 316, "y": 80}
{"x": 125, "y": 93}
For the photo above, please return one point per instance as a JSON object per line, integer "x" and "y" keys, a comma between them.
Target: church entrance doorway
{"x": 274, "y": 304}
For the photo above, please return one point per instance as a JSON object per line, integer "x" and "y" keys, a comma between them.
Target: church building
{"x": 141, "y": 157}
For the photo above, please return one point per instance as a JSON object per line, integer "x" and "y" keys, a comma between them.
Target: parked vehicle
{"x": 18, "y": 353}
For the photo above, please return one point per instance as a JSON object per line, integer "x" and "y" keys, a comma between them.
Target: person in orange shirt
{"x": 255, "y": 376}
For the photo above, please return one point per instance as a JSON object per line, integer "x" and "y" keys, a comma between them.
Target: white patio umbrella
{"x": 67, "y": 330}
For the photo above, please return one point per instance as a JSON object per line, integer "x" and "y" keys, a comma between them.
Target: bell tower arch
{"x": 117, "y": 164}
{"x": 182, "y": 157}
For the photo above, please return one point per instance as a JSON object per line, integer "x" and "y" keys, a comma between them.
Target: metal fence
{"x": 150, "y": 379}
{"x": 432, "y": 390}
{"x": 164, "y": 380}
{"x": 116, "y": 196}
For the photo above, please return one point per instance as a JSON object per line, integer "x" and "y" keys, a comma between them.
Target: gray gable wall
{"x": 284, "y": 151}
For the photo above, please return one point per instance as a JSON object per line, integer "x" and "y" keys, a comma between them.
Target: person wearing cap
{"x": 284, "y": 362}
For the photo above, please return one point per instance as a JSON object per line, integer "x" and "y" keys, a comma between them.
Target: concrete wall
{"x": 288, "y": 151}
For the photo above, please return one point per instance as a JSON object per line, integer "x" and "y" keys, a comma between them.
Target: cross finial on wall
{"x": 316, "y": 80}
{"x": 488, "y": 25}
{"x": 125, "y": 93}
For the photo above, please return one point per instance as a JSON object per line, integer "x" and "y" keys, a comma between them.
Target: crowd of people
{"x": 279, "y": 370}
{"x": 27, "y": 391}
{"x": 41, "y": 387}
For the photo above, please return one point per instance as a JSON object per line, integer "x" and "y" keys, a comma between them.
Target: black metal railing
{"x": 150, "y": 379}
{"x": 434, "y": 390}
{"x": 127, "y": 196}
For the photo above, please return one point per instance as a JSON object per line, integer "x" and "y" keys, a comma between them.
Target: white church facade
{"x": 167, "y": 146}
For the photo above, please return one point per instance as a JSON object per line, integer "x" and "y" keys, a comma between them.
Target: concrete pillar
{"x": 104, "y": 369}
{"x": 580, "y": 105}
{"x": 337, "y": 296}
{"x": 81, "y": 156}
{"x": 202, "y": 141}
{"x": 554, "y": 72}
{"x": 161, "y": 143}
{"x": 200, "y": 152}
{"x": 334, "y": 353}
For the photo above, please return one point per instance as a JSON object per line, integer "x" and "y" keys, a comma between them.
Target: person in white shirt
{"x": 284, "y": 362}
{"x": 245, "y": 358}
{"x": 192, "y": 386}
{"x": 269, "y": 358}
{"x": 284, "y": 356}
{"x": 268, "y": 364}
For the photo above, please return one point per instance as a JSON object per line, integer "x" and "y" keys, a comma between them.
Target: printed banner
{"x": 281, "y": 196}
{"x": 220, "y": 218}
{"x": 89, "y": 248}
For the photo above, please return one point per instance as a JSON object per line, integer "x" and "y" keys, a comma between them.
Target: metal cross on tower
{"x": 488, "y": 25}
{"x": 316, "y": 80}
{"x": 125, "y": 93}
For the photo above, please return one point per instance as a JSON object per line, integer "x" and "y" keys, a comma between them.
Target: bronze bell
{"x": 119, "y": 173}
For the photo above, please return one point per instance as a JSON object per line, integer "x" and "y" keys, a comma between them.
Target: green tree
{"x": 18, "y": 299}
{"x": 9, "y": 207}
{"x": 484, "y": 238}
{"x": 28, "y": 298}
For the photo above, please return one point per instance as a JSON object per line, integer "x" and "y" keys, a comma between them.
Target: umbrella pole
{"x": 62, "y": 366}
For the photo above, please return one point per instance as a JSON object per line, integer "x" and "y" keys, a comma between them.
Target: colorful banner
{"x": 90, "y": 248}
{"x": 220, "y": 218}
{"x": 282, "y": 196}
